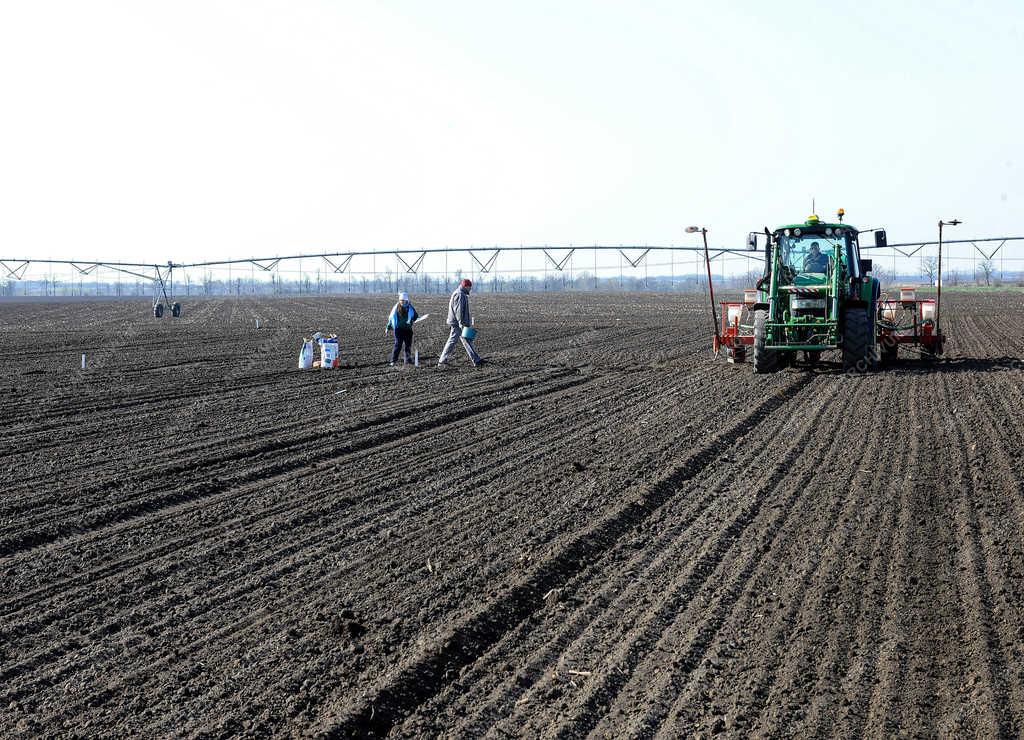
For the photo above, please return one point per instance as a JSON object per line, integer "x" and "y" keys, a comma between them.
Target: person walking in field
{"x": 402, "y": 317}
{"x": 459, "y": 318}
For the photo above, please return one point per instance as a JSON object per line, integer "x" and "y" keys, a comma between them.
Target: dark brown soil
{"x": 605, "y": 531}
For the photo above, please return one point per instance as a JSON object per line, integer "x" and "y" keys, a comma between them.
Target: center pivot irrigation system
{"x": 817, "y": 293}
{"x": 409, "y": 261}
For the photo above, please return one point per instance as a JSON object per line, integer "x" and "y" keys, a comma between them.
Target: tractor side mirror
{"x": 880, "y": 239}
{"x": 752, "y": 241}
{"x": 865, "y": 267}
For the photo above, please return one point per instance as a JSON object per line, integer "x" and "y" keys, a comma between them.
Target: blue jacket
{"x": 396, "y": 322}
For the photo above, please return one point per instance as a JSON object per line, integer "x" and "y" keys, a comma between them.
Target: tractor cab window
{"x": 811, "y": 254}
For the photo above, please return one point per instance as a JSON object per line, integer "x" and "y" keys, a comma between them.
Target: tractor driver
{"x": 815, "y": 260}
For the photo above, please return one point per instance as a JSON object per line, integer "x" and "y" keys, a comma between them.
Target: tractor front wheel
{"x": 764, "y": 360}
{"x": 856, "y": 341}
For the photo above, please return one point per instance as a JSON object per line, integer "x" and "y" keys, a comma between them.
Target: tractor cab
{"x": 809, "y": 253}
{"x": 809, "y": 258}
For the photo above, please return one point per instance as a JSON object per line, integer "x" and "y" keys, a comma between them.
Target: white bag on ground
{"x": 306, "y": 356}
{"x": 329, "y": 354}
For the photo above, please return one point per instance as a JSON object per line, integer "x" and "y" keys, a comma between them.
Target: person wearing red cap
{"x": 458, "y": 319}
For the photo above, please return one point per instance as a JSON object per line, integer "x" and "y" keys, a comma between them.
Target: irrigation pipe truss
{"x": 412, "y": 259}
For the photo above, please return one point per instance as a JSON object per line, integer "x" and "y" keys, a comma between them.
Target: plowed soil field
{"x": 605, "y": 531}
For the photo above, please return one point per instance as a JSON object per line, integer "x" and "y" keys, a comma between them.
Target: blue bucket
{"x": 468, "y": 332}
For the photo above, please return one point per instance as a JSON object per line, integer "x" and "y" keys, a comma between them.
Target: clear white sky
{"x": 185, "y": 130}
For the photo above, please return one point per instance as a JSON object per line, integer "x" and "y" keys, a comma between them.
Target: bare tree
{"x": 953, "y": 277}
{"x": 987, "y": 268}
{"x": 929, "y": 268}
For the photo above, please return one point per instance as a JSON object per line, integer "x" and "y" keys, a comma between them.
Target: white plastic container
{"x": 733, "y": 314}
{"x": 306, "y": 356}
{"x": 928, "y": 311}
{"x": 328, "y": 355}
{"x": 750, "y": 295}
{"x": 907, "y": 294}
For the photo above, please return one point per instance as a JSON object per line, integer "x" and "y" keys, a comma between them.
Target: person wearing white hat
{"x": 402, "y": 317}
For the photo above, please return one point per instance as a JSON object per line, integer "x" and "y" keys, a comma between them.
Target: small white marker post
{"x": 83, "y": 361}
{"x": 257, "y": 323}
{"x": 416, "y": 358}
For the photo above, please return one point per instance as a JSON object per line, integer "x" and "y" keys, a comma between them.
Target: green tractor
{"x": 816, "y": 294}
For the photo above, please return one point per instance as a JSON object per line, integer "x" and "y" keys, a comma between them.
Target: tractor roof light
{"x": 796, "y": 232}
{"x": 840, "y": 213}
{"x": 828, "y": 231}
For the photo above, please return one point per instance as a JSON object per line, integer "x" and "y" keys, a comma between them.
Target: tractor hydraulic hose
{"x": 836, "y": 269}
{"x": 773, "y": 284}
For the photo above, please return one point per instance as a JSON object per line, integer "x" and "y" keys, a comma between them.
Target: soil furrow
{"x": 379, "y": 711}
{"x": 150, "y": 503}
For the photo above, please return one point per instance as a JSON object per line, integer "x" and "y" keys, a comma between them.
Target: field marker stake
{"x": 83, "y": 361}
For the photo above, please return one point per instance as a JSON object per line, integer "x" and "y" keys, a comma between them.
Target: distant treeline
{"x": 419, "y": 283}
{"x": 433, "y": 283}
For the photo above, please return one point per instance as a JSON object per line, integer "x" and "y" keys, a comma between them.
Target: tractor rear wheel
{"x": 764, "y": 360}
{"x": 856, "y": 341}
